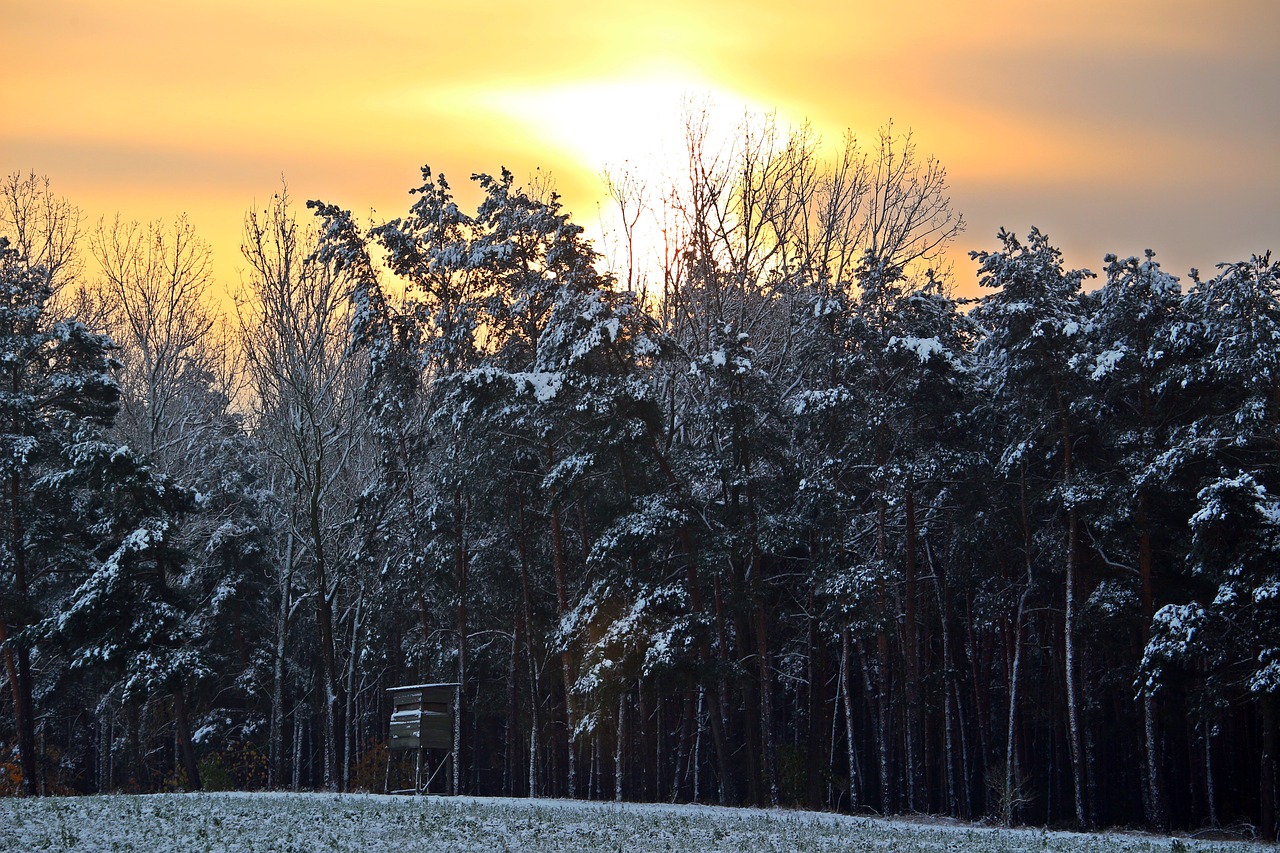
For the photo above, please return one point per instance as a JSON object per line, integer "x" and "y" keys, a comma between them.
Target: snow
{"x": 545, "y": 385}
{"x": 1106, "y": 362}
{"x": 1177, "y": 624}
{"x": 422, "y": 686}
{"x": 924, "y": 348}
{"x": 163, "y": 823}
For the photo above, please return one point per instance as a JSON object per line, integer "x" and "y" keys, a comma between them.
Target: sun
{"x": 636, "y": 117}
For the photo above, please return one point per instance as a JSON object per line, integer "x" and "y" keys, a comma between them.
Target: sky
{"x": 1113, "y": 126}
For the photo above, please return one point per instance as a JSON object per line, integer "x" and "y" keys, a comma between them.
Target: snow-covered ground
{"x": 357, "y": 822}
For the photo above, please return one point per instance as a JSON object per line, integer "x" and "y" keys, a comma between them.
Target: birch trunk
{"x": 846, "y": 694}
{"x": 911, "y": 653}
{"x": 1012, "y": 772}
{"x": 535, "y": 697}
{"x": 566, "y": 661}
{"x": 460, "y": 568}
{"x": 276, "y": 750}
{"x": 1075, "y": 739}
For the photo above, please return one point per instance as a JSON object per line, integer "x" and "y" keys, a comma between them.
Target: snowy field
{"x": 355, "y": 822}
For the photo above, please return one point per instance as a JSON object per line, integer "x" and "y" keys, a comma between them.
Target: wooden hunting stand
{"x": 422, "y": 718}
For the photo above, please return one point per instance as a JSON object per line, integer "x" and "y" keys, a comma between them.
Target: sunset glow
{"x": 1153, "y": 124}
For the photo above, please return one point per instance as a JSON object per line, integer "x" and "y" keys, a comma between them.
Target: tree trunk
{"x": 1076, "y": 739}
{"x": 276, "y": 748}
{"x": 884, "y": 744}
{"x": 1267, "y": 771}
{"x": 513, "y": 714}
{"x": 911, "y": 653}
{"x": 349, "y": 739}
{"x": 1211, "y": 795}
{"x": 566, "y": 660}
{"x": 685, "y": 757}
{"x": 1012, "y": 772}
{"x": 659, "y": 740}
{"x": 768, "y": 747}
{"x": 940, "y": 593}
{"x": 17, "y": 658}
{"x": 976, "y": 652}
{"x": 619, "y": 749}
{"x": 18, "y": 668}
{"x": 846, "y": 693}
{"x": 187, "y": 749}
{"x": 535, "y": 696}
{"x": 461, "y": 737}
{"x": 331, "y": 687}
{"x": 1157, "y": 812}
{"x": 816, "y": 706}
{"x": 644, "y": 754}
{"x": 296, "y": 769}
{"x": 330, "y": 683}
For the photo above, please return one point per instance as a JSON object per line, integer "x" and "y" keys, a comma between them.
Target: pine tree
{"x": 1035, "y": 329}
{"x": 57, "y": 390}
{"x": 1136, "y": 358}
{"x": 1232, "y": 626}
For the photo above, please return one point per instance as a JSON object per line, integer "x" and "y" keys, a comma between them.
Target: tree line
{"x": 767, "y": 515}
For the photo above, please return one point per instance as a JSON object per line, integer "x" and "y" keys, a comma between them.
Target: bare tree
{"x": 158, "y": 278}
{"x": 909, "y": 219}
{"x": 44, "y": 228}
{"x": 293, "y": 317}
{"x": 628, "y": 190}
{"x": 155, "y": 278}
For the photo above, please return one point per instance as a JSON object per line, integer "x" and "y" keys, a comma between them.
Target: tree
{"x": 178, "y": 376}
{"x": 44, "y": 229}
{"x": 415, "y": 346}
{"x": 1034, "y": 334}
{"x": 1136, "y": 317}
{"x": 293, "y": 321}
{"x": 1231, "y": 626}
{"x": 57, "y": 389}
{"x": 157, "y": 279}
{"x": 124, "y": 616}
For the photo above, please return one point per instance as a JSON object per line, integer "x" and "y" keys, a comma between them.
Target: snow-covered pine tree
{"x": 1135, "y": 360}
{"x": 56, "y": 390}
{"x": 177, "y": 378}
{"x": 124, "y": 618}
{"x": 415, "y": 520}
{"x": 1031, "y": 355}
{"x": 556, "y": 395}
{"x": 1231, "y": 627}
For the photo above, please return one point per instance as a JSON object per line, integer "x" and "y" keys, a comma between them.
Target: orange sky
{"x": 1154, "y": 124}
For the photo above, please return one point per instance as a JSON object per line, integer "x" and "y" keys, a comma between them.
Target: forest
{"x": 754, "y": 511}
